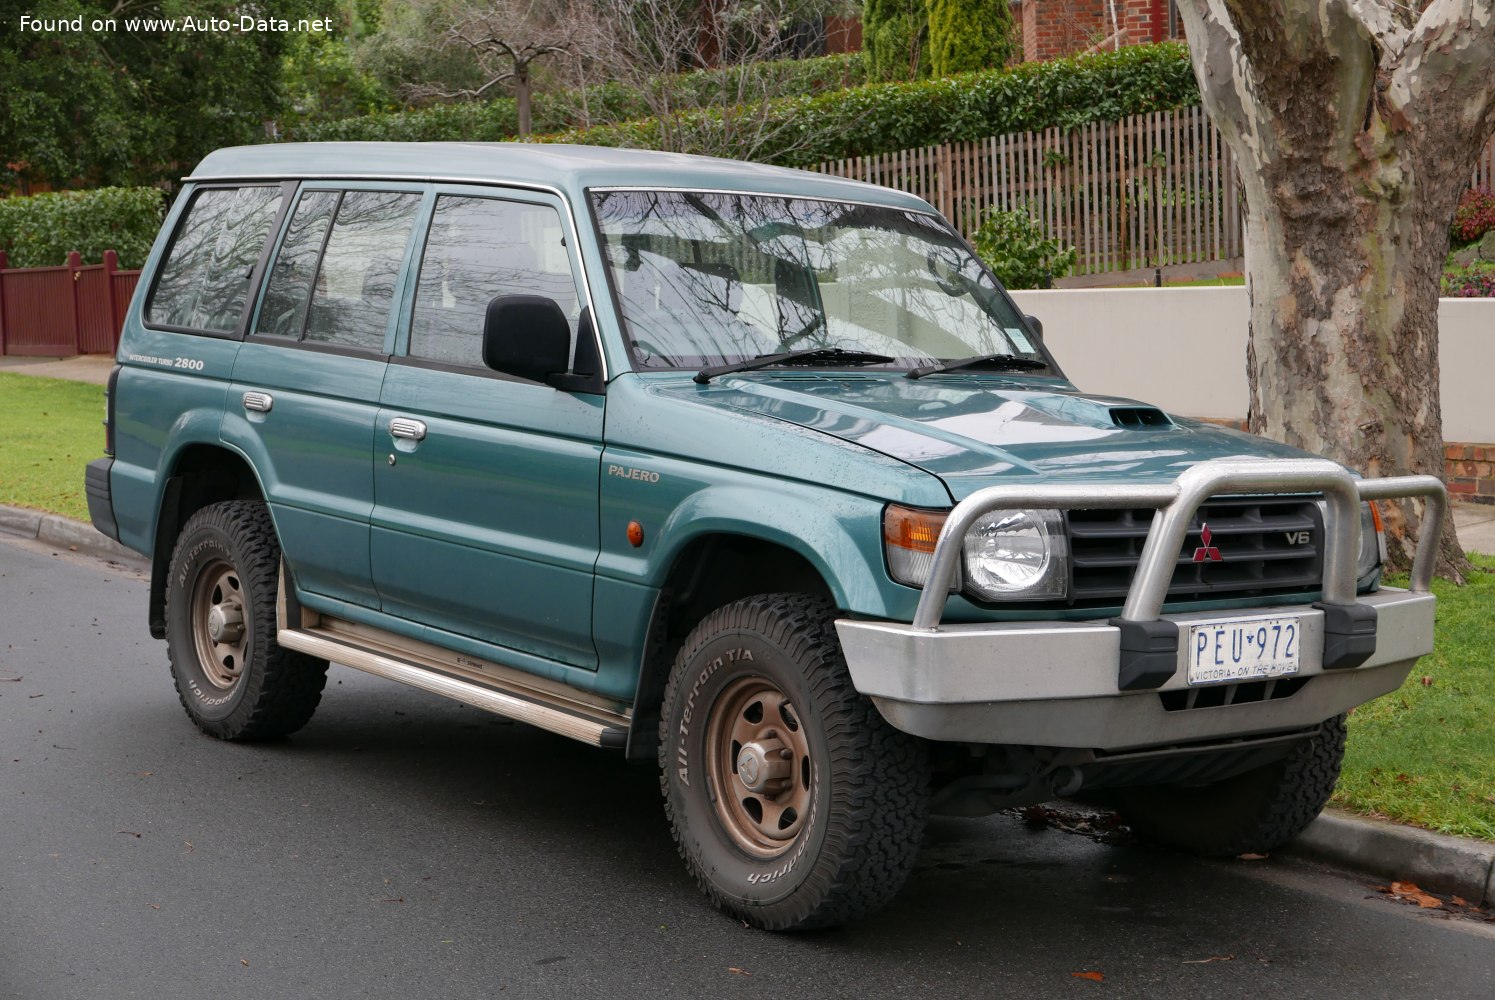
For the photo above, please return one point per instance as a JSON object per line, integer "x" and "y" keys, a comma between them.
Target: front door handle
{"x": 407, "y": 429}
{"x": 259, "y": 402}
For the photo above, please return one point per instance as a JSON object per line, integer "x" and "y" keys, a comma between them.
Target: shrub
{"x": 882, "y": 118}
{"x": 969, "y": 35}
{"x": 1474, "y": 217}
{"x": 895, "y": 34}
{"x": 606, "y": 103}
{"x": 39, "y": 231}
{"x": 1015, "y": 246}
{"x": 1475, "y": 281}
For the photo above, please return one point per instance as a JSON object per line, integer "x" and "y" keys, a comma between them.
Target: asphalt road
{"x": 402, "y": 845}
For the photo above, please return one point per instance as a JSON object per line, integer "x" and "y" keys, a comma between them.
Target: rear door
{"x": 307, "y": 380}
{"x": 485, "y": 486}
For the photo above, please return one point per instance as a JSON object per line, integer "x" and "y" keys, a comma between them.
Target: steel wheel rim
{"x": 219, "y": 627}
{"x": 759, "y": 761}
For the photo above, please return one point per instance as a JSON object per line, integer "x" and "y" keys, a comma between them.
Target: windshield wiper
{"x": 1000, "y": 362}
{"x": 831, "y": 354}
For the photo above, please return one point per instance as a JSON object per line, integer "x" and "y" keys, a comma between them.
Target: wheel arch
{"x": 199, "y": 473}
{"x": 710, "y": 570}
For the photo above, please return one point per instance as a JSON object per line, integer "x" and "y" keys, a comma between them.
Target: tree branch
{"x": 1445, "y": 78}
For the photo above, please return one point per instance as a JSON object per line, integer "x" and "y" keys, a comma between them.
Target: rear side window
{"x": 204, "y": 281}
{"x": 337, "y": 286}
{"x": 480, "y": 248}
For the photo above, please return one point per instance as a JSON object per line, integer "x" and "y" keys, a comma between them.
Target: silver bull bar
{"x": 1176, "y": 503}
{"x": 1149, "y": 644}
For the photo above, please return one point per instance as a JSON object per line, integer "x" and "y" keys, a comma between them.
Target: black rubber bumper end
{"x": 1349, "y": 634}
{"x": 100, "y": 503}
{"x": 1149, "y": 653}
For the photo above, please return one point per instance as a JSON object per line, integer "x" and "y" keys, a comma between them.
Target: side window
{"x": 337, "y": 287}
{"x": 204, "y": 281}
{"x": 356, "y": 284}
{"x": 480, "y": 248}
{"x": 283, "y": 311}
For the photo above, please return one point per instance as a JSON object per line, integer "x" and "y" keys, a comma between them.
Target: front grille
{"x": 1266, "y": 546}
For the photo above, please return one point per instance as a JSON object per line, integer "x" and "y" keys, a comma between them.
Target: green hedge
{"x": 607, "y": 103}
{"x": 39, "y": 231}
{"x": 885, "y": 117}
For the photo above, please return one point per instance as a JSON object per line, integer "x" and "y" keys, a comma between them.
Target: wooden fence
{"x": 60, "y": 311}
{"x": 1148, "y": 191}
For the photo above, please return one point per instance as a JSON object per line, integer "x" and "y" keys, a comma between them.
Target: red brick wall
{"x": 1054, "y": 28}
{"x": 1470, "y": 471}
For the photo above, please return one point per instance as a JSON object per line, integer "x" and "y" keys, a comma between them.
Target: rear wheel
{"x": 1251, "y": 813}
{"x": 232, "y": 677}
{"x": 794, "y": 804}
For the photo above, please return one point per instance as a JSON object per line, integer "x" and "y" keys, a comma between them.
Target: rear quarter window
{"x": 203, "y": 284}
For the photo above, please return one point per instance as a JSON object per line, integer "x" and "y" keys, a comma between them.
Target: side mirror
{"x": 1034, "y": 324}
{"x": 527, "y": 336}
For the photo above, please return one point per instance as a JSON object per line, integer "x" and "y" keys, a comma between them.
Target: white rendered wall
{"x": 1184, "y": 349}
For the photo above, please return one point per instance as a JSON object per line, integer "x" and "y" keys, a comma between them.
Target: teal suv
{"x": 755, "y": 474}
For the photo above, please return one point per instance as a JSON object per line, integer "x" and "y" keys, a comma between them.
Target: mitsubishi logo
{"x": 1207, "y": 552}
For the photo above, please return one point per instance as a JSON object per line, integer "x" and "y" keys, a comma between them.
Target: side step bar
{"x": 388, "y": 657}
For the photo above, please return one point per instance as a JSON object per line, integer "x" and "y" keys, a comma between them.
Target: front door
{"x": 485, "y": 486}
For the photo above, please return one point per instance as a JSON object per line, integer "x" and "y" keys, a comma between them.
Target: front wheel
{"x": 232, "y": 677}
{"x": 794, "y": 804}
{"x": 1251, "y": 813}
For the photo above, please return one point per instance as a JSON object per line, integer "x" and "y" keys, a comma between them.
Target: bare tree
{"x": 1356, "y": 124}
{"x": 651, "y": 45}
{"x": 505, "y": 38}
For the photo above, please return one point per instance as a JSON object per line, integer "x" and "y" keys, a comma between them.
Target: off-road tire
{"x": 1251, "y": 813}
{"x": 866, "y": 783}
{"x": 227, "y": 556}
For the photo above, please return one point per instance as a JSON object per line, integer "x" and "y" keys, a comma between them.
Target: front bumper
{"x": 1055, "y": 683}
{"x": 1121, "y": 684}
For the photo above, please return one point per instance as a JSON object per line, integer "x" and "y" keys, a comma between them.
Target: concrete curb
{"x": 63, "y": 532}
{"x": 1434, "y": 861}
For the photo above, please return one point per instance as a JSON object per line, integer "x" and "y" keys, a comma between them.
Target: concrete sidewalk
{"x": 91, "y": 368}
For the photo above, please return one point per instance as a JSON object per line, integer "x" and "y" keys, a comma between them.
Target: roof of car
{"x": 548, "y": 165}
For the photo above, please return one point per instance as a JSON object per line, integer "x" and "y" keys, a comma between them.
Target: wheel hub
{"x": 226, "y": 623}
{"x": 763, "y": 763}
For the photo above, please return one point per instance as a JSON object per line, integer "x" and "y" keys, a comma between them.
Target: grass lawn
{"x": 49, "y": 430}
{"x": 1424, "y": 754}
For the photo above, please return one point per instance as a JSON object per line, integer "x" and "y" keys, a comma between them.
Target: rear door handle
{"x": 407, "y": 428}
{"x": 259, "y": 402}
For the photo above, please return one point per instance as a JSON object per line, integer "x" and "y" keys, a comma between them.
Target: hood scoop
{"x": 1136, "y": 418}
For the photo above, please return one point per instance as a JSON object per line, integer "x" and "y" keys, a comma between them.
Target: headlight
{"x": 1372, "y": 541}
{"x": 1017, "y": 555}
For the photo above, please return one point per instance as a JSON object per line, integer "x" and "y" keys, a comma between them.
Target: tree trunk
{"x": 1355, "y": 125}
{"x": 522, "y": 98}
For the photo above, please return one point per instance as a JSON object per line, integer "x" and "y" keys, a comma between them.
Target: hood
{"x": 972, "y": 430}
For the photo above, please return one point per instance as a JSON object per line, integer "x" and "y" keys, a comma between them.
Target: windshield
{"x": 710, "y": 279}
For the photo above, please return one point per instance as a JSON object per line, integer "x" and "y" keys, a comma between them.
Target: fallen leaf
{"x": 1212, "y": 958}
{"x": 1460, "y": 901}
{"x": 154, "y": 906}
{"x": 1409, "y": 892}
{"x": 736, "y": 971}
{"x": 190, "y": 847}
{"x": 244, "y": 961}
{"x": 1252, "y": 857}
{"x": 1427, "y": 682}
{"x": 1094, "y": 977}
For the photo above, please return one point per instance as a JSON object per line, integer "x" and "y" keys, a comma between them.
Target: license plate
{"x": 1244, "y": 649}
